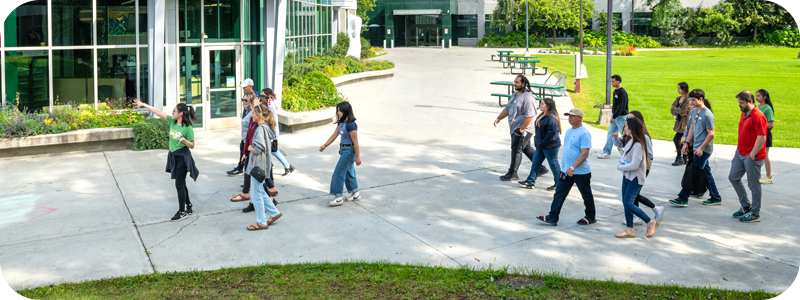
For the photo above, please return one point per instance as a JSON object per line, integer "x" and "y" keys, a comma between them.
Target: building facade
{"x": 96, "y": 53}
{"x": 412, "y": 23}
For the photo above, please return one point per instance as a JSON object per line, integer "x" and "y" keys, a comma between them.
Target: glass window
{"x": 72, "y": 22}
{"x": 116, "y": 22}
{"x": 467, "y": 26}
{"x": 253, "y": 22}
{"x": 189, "y": 19}
{"x": 190, "y": 76}
{"x": 116, "y": 75}
{"x": 26, "y": 26}
{"x": 223, "y": 102}
{"x": 73, "y": 77}
{"x": 142, "y": 21}
{"x": 144, "y": 85}
{"x": 26, "y": 79}
{"x": 222, "y": 19}
{"x": 254, "y": 65}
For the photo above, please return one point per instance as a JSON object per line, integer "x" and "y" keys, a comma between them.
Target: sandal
{"x": 256, "y": 226}
{"x": 272, "y": 220}
{"x": 275, "y": 193}
{"x": 654, "y": 227}
{"x": 626, "y": 234}
{"x": 241, "y": 196}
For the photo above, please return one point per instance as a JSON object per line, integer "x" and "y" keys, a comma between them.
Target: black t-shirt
{"x": 619, "y": 105}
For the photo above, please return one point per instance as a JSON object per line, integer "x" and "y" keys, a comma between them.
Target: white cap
{"x": 247, "y": 82}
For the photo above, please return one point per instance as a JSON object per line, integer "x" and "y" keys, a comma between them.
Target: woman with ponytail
{"x": 179, "y": 160}
{"x": 547, "y": 141}
{"x": 259, "y": 157}
{"x": 633, "y": 165}
{"x": 765, "y": 106}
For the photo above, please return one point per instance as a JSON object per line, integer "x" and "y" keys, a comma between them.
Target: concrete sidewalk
{"x": 431, "y": 195}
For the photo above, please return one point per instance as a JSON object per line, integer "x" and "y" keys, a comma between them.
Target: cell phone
{"x": 563, "y": 176}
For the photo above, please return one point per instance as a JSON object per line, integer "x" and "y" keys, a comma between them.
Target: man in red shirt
{"x": 749, "y": 157}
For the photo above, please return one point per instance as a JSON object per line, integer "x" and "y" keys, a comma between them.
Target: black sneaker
{"x": 274, "y": 201}
{"x": 526, "y": 184}
{"x": 288, "y": 170}
{"x": 189, "y": 208}
{"x": 180, "y": 216}
{"x": 509, "y": 177}
{"x": 249, "y": 208}
{"x": 586, "y": 221}
{"x": 552, "y": 188}
{"x": 712, "y": 201}
{"x": 543, "y": 170}
{"x": 547, "y": 220}
{"x": 678, "y": 161}
{"x": 235, "y": 172}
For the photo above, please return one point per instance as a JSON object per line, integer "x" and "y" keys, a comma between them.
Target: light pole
{"x": 580, "y": 68}
{"x": 527, "y": 35}
{"x": 609, "y": 23}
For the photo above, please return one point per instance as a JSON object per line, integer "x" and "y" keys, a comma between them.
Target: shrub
{"x": 342, "y": 44}
{"x": 365, "y": 52}
{"x": 322, "y": 82}
{"x": 16, "y": 123}
{"x": 786, "y": 38}
{"x": 153, "y": 133}
{"x": 594, "y": 39}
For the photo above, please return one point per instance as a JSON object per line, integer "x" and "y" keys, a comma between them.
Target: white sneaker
{"x": 338, "y": 200}
{"x": 604, "y": 156}
{"x": 659, "y": 211}
{"x": 636, "y": 221}
{"x": 354, "y": 196}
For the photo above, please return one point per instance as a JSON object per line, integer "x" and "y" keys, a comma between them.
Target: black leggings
{"x": 642, "y": 199}
{"x": 241, "y": 164}
{"x": 180, "y": 184}
{"x": 677, "y": 140}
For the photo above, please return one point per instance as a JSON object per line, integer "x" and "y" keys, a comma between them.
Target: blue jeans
{"x": 262, "y": 202}
{"x": 345, "y": 172}
{"x": 711, "y": 186}
{"x": 584, "y": 183}
{"x": 281, "y": 159}
{"x": 629, "y": 191}
{"x": 619, "y": 122}
{"x": 538, "y": 158}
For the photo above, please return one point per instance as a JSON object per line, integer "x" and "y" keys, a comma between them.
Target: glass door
{"x": 221, "y": 87}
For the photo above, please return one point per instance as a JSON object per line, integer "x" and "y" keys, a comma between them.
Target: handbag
{"x": 694, "y": 179}
{"x": 258, "y": 173}
{"x": 274, "y": 145}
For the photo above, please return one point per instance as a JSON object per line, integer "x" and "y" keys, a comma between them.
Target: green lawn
{"x": 651, "y": 79}
{"x": 369, "y": 281}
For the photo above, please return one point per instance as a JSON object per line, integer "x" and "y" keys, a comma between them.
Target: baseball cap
{"x": 247, "y": 82}
{"x": 575, "y": 112}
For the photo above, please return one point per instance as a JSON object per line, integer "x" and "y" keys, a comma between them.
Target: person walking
{"x": 273, "y": 107}
{"x": 680, "y": 112}
{"x": 619, "y": 111}
{"x": 269, "y": 183}
{"x": 700, "y": 134}
{"x": 247, "y": 88}
{"x": 246, "y": 115}
{"x": 633, "y": 165}
{"x": 765, "y": 106}
{"x": 520, "y": 110}
{"x": 179, "y": 159}
{"x": 749, "y": 157}
{"x": 547, "y": 143}
{"x": 349, "y": 156}
{"x": 658, "y": 210}
{"x": 259, "y": 158}
{"x": 577, "y": 143}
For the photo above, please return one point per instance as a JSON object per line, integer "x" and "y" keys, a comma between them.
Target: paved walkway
{"x": 430, "y": 195}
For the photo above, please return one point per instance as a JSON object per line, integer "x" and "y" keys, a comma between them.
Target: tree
{"x": 558, "y": 14}
{"x": 668, "y": 17}
{"x": 756, "y": 13}
{"x": 602, "y": 22}
{"x": 506, "y": 13}
{"x": 362, "y": 8}
{"x": 718, "y": 20}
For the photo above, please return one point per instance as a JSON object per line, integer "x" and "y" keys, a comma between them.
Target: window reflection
{"x": 73, "y": 77}
{"x": 26, "y": 26}
{"x": 26, "y": 79}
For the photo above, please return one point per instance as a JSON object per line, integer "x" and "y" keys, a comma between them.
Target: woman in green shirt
{"x": 179, "y": 160}
{"x": 765, "y": 106}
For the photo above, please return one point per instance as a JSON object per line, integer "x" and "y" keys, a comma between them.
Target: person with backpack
{"x": 765, "y": 106}
{"x": 547, "y": 142}
{"x": 680, "y": 111}
{"x": 179, "y": 159}
{"x": 658, "y": 210}
{"x": 344, "y": 175}
{"x": 700, "y": 134}
{"x": 633, "y": 165}
{"x": 257, "y": 166}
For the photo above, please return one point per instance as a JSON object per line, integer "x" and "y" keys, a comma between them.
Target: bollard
{"x": 450, "y": 43}
{"x": 392, "y": 43}
{"x": 384, "y": 44}
{"x": 442, "y": 43}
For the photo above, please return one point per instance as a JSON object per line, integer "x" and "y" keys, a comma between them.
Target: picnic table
{"x": 502, "y": 52}
{"x": 542, "y": 87}
{"x": 525, "y": 65}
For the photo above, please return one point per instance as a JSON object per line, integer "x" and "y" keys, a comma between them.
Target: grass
{"x": 369, "y": 281}
{"x": 651, "y": 79}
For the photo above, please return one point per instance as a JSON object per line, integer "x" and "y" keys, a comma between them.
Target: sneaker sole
{"x": 679, "y": 205}
{"x": 751, "y": 221}
{"x": 354, "y": 199}
{"x": 713, "y": 203}
{"x": 179, "y": 219}
{"x": 335, "y": 203}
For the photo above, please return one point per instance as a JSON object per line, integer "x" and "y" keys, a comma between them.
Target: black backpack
{"x": 694, "y": 178}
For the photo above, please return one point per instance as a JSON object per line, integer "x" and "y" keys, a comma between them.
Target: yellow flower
{"x": 48, "y": 121}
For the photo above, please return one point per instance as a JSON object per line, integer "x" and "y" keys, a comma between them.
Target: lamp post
{"x": 580, "y": 68}
{"x": 609, "y": 20}
{"x": 527, "y": 35}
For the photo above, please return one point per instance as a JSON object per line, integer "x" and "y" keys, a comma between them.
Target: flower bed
{"x": 15, "y": 122}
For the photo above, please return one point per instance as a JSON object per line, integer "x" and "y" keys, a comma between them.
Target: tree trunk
{"x": 554, "y": 36}
{"x": 755, "y": 34}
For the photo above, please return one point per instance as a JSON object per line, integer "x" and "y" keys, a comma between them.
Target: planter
{"x": 310, "y": 120}
{"x": 79, "y": 141}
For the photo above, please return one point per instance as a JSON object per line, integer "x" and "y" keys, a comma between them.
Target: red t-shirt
{"x": 750, "y": 127}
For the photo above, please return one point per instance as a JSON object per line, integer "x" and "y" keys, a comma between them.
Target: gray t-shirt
{"x": 520, "y": 107}
{"x": 701, "y": 122}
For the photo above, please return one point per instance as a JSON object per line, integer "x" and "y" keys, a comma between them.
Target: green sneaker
{"x": 742, "y": 211}
{"x": 711, "y": 201}
{"x": 679, "y": 202}
{"x": 750, "y": 218}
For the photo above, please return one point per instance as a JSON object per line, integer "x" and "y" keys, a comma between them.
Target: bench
{"x": 533, "y": 70}
{"x": 500, "y": 98}
{"x": 493, "y": 57}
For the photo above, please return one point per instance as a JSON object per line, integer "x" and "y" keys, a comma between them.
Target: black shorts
{"x": 769, "y": 138}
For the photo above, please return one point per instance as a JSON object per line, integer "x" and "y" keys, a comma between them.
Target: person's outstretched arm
{"x": 330, "y": 139}
{"x": 154, "y": 110}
